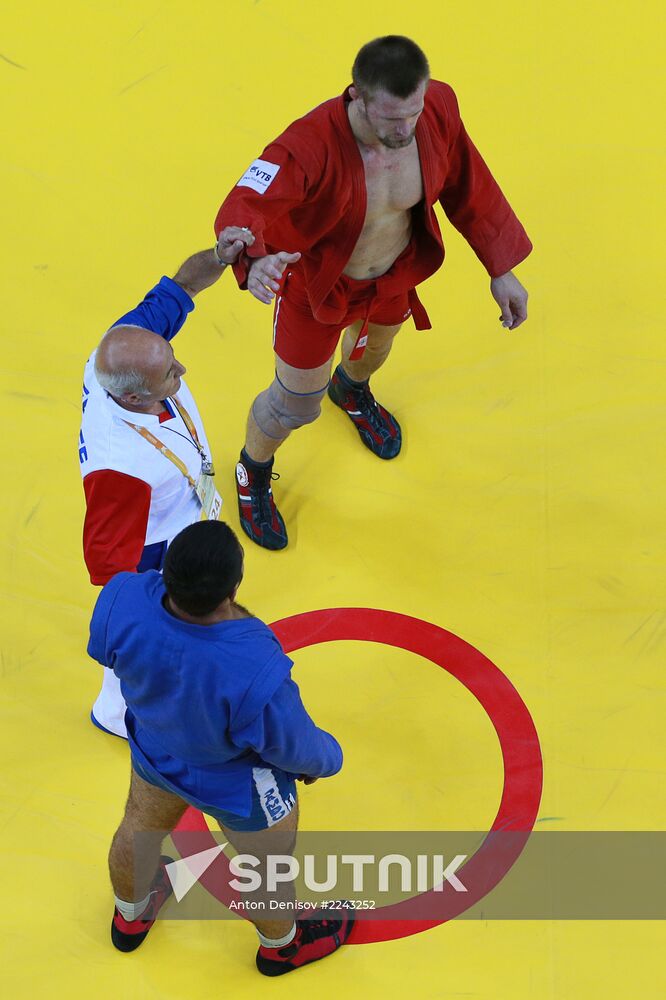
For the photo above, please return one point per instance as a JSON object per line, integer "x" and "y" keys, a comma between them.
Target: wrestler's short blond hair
{"x": 392, "y": 63}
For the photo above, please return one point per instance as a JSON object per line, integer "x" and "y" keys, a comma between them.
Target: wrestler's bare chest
{"x": 393, "y": 185}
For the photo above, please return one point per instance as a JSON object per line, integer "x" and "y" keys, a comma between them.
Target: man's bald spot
{"x": 132, "y": 347}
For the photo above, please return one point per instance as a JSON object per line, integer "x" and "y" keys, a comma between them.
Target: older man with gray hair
{"x": 145, "y": 459}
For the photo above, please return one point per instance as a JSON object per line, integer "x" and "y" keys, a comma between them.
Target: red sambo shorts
{"x": 303, "y": 342}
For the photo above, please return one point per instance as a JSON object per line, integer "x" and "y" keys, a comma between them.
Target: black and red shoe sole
{"x": 268, "y": 967}
{"x": 127, "y": 941}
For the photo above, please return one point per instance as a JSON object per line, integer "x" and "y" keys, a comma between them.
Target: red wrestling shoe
{"x": 129, "y": 934}
{"x": 259, "y": 517}
{"x": 378, "y": 429}
{"x": 315, "y": 938}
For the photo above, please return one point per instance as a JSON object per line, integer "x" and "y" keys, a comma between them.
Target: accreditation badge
{"x": 209, "y": 498}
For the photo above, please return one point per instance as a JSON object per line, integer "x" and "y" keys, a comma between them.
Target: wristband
{"x": 222, "y": 263}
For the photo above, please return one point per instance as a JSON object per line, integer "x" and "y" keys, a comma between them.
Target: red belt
{"x": 419, "y": 315}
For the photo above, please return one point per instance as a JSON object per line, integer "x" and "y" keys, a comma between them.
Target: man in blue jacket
{"x": 214, "y": 720}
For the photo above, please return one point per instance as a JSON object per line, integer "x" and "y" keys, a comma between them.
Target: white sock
{"x": 277, "y": 942}
{"x": 131, "y": 911}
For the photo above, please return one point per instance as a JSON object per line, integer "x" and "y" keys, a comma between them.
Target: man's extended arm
{"x": 166, "y": 306}
{"x": 264, "y": 273}
{"x": 203, "y": 269}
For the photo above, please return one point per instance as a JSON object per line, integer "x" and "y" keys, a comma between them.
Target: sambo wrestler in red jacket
{"x": 350, "y": 189}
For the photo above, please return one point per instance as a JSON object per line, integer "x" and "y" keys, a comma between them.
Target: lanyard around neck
{"x": 156, "y": 443}
{"x": 161, "y": 447}
{"x": 189, "y": 423}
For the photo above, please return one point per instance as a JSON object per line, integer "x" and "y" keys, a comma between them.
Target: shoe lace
{"x": 311, "y": 929}
{"x": 261, "y": 497}
{"x": 367, "y": 404}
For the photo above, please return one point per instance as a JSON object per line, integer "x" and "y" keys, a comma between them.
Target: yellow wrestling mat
{"x": 524, "y": 513}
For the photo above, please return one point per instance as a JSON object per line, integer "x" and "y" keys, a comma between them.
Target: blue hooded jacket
{"x": 205, "y": 703}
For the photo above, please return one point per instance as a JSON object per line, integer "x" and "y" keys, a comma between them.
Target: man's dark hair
{"x": 392, "y": 63}
{"x": 203, "y": 565}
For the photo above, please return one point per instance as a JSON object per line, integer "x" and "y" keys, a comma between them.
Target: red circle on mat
{"x": 515, "y": 730}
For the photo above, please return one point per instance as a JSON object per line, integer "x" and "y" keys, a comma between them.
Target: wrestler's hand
{"x": 306, "y": 779}
{"x": 231, "y": 241}
{"x": 265, "y": 274}
{"x": 511, "y": 297}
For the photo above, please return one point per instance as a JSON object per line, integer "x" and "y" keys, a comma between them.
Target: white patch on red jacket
{"x": 259, "y": 175}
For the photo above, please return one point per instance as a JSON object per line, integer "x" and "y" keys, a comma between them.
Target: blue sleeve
{"x": 284, "y": 735}
{"x": 164, "y": 310}
{"x": 99, "y": 623}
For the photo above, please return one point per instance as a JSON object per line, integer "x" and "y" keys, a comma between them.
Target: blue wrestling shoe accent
{"x": 378, "y": 429}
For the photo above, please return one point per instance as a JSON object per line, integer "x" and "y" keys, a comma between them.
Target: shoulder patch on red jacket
{"x": 259, "y": 175}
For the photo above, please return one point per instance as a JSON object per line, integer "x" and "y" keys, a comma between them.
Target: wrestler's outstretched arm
{"x": 203, "y": 269}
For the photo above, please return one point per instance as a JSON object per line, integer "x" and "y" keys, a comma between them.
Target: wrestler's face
{"x": 393, "y": 119}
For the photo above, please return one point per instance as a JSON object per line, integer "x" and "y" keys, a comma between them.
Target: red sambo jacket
{"x": 307, "y": 193}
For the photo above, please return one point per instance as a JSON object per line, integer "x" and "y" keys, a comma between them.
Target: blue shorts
{"x": 273, "y": 798}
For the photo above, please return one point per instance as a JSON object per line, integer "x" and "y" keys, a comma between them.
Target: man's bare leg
{"x": 262, "y": 442}
{"x": 260, "y": 446}
{"x": 134, "y": 860}
{"x": 277, "y": 839}
{"x": 378, "y": 348}
{"x": 151, "y": 813}
{"x": 286, "y": 944}
{"x": 377, "y": 428}
{"x": 292, "y": 400}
